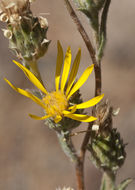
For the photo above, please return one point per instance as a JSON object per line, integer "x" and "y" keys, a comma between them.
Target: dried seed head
{"x": 103, "y": 112}
{"x": 43, "y": 22}
{"x": 22, "y": 25}
{"x": 15, "y": 8}
{"x": 4, "y": 17}
{"x": 7, "y": 33}
{"x": 95, "y": 127}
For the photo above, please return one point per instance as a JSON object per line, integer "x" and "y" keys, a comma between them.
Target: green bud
{"x": 108, "y": 152}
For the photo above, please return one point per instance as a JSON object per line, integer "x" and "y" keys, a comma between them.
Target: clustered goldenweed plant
{"x": 64, "y": 108}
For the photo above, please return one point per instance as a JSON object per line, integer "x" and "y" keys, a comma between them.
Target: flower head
{"x": 57, "y": 104}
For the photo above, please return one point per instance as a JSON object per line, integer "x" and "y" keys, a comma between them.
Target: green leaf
{"x": 124, "y": 184}
{"x": 86, "y": 12}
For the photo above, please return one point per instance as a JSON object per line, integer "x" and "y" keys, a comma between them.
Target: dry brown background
{"x": 30, "y": 156}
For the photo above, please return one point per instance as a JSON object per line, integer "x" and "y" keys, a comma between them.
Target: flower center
{"x": 55, "y": 103}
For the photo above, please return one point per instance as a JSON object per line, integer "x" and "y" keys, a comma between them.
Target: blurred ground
{"x": 31, "y": 158}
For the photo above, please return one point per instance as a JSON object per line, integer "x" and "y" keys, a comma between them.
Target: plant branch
{"x": 69, "y": 149}
{"x": 97, "y": 70}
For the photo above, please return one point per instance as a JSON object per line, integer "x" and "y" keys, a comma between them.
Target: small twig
{"x": 79, "y": 132}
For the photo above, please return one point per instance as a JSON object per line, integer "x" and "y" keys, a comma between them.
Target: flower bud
{"x": 106, "y": 146}
{"x": 108, "y": 152}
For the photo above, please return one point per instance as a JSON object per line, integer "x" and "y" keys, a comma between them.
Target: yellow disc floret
{"x": 55, "y": 103}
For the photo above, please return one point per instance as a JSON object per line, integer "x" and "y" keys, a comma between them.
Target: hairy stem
{"x": 108, "y": 181}
{"x": 67, "y": 145}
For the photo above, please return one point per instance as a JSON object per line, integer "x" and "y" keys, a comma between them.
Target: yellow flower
{"x": 57, "y": 103}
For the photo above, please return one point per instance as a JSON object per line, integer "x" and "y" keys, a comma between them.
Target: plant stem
{"x": 80, "y": 174}
{"x": 67, "y": 145}
{"x": 97, "y": 70}
{"x": 34, "y": 69}
{"x": 69, "y": 149}
{"x": 97, "y": 65}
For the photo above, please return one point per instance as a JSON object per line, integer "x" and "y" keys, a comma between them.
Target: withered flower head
{"x": 25, "y": 32}
{"x": 12, "y": 10}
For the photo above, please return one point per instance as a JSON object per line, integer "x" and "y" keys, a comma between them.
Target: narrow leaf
{"x": 124, "y": 184}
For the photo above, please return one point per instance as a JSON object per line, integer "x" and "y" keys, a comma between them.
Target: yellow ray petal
{"x": 89, "y": 103}
{"x": 74, "y": 108}
{"x": 79, "y": 117}
{"x": 57, "y": 119}
{"x": 74, "y": 71}
{"x": 81, "y": 80}
{"x": 67, "y": 63}
{"x": 39, "y": 118}
{"x": 31, "y": 77}
{"x": 26, "y": 93}
{"x": 58, "y": 65}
